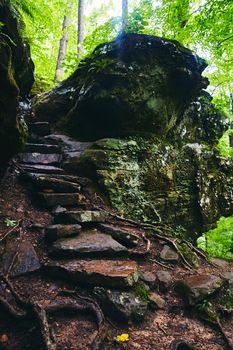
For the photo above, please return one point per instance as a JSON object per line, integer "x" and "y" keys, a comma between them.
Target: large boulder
{"x": 16, "y": 79}
{"x": 135, "y": 84}
{"x": 155, "y": 157}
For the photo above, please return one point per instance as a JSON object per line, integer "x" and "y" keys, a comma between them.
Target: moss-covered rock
{"x": 16, "y": 78}
{"x": 155, "y": 158}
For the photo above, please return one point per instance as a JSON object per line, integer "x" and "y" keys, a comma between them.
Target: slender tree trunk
{"x": 62, "y": 50}
{"x": 124, "y": 15}
{"x": 80, "y": 27}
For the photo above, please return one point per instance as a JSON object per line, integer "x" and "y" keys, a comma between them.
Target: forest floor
{"x": 76, "y": 331}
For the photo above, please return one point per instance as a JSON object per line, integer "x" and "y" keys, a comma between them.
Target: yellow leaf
{"x": 122, "y": 337}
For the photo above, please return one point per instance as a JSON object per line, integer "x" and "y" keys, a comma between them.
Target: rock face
{"x": 154, "y": 158}
{"x": 16, "y": 79}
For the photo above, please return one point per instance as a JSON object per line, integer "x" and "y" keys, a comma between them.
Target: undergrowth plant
{"x": 219, "y": 241}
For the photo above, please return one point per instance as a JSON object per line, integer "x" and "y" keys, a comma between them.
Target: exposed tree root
{"x": 157, "y": 230}
{"x": 161, "y": 264}
{"x": 47, "y": 333}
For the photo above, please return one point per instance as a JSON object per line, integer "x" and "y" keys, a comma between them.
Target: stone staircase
{"x": 96, "y": 250}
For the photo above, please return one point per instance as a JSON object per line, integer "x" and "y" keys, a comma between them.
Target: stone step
{"x": 41, "y": 148}
{"x": 39, "y": 128}
{"x": 41, "y": 169}
{"x": 55, "y": 232}
{"x": 121, "y": 235}
{"x": 57, "y": 185}
{"x": 81, "y": 216}
{"x": 107, "y": 273}
{"x": 62, "y": 199}
{"x": 88, "y": 243}
{"x": 39, "y": 158}
{"x": 70, "y": 178}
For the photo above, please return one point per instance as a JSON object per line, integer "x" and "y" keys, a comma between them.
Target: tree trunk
{"x": 124, "y": 15}
{"x": 80, "y": 27}
{"x": 62, "y": 50}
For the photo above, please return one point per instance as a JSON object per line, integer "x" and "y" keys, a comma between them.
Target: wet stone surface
{"x": 88, "y": 243}
{"x": 169, "y": 255}
{"x": 121, "y": 306}
{"x": 107, "y": 273}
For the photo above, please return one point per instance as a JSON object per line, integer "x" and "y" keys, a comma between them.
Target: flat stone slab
{"x": 42, "y": 169}
{"x": 58, "y": 185}
{"x": 196, "y": 288}
{"x": 54, "y": 232}
{"x": 40, "y": 128}
{"x": 88, "y": 243}
{"x": 24, "y": 256}
{"x": 63, "y": 199}
{"x": 41, "y": 148}
{"x": 81, "y": 216}
{"x": 39, "y": 158}
{"x": 121, "y": 305}
{"x": 169, "y": 255}
{"x": 107, "y": 273}
{"x": 120, "y": 234}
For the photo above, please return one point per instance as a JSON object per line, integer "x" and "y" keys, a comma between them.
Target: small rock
{"x": 164, "y": 280}
{"x": 156, "y": 301}
{"x": 196, "y": 288}
{"x": 58, "y": 209}
{"x": 54, "y": 232}
{"x": 148, "y": 277}
{"x": 228, "y": 275}
{"x": 121, "y": 306}
{"x": 81, "y": 216}
{"x": 219, "y": 262}
{"x": 169, "y": 255}
{"x": 26, "y": 259}
{"x": 120, "y": 234}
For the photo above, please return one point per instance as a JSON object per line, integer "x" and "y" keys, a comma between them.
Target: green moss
{"x": 141, "y": 292}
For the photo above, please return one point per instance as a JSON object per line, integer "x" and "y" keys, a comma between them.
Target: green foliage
{"x": 223, "y": 144}
{"x": 10, "y": 223}
{"x": 219, "y": 241}
{"x": 204, "y": 26}
{"x": 141, "y": 291}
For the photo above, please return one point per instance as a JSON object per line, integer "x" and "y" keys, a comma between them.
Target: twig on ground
{"x": 161, "y": 264}
{"x": 19, "y": 223}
